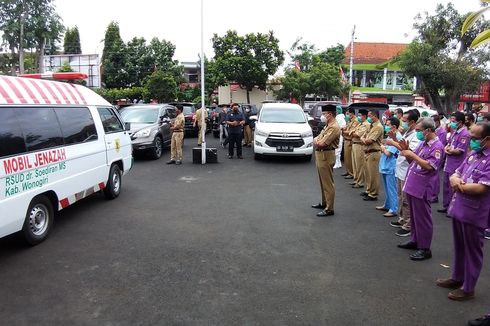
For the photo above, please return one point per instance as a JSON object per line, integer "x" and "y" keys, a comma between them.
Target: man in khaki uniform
{"x": 177, "y": 128}
{"x": 325, "y": 144}
{"x": 372, "y": 152}
{"x": 198, "y": 121}
{"x": 352, "y": 123}
{"x": 358, "y": 158}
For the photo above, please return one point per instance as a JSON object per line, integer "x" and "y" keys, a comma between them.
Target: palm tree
{"x": 484, "y": 36}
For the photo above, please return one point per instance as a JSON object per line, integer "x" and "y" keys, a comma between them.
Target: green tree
{"x": 248, "y": 60}
{"x": 325, "y": 80}
{"x": 440, "y": 58}
{"x": 213, "y": 77}
{"x": 294, "y": 84}
{"x": 161, "y": 86}
{"x": 139, "y": 61}
{"x": 333, "y": 55}
{"x": 303, "y": 54}
{"x": 71, "y": 44}
{"x": 484, "y": 36}
{"x": 114, "y": 58}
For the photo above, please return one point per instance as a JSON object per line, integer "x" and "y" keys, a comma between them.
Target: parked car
{"x": 282, "y": 129}
{"x": 189, "y": 111}
{"x": 149, "y": 127}
{"x": 315, "y": 113}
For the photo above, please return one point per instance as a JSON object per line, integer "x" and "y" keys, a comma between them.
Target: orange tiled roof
{"x": 373, "y": 53}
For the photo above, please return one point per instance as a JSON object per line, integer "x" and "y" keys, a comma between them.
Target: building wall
{"x": 257, "y": 96}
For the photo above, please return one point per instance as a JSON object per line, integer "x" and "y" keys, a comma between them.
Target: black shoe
{"x": 344, "y": 174}
{"x": 352, "y": 183}
{"x": 364, "y": 193}
{"x": 357, "y": 186}
{"x": 199, "y": 145}
{"x": 178, "y": 162}
{"x": 171, "y": 162}
{"x": 482, "y": 321}
{"x": 240, "y": 157}
{"x": 230, "y": 157}
{"x": 325, "y": 213}
{"x": 369, "y": 198}
{"x": 319, "y": 205}
{"x": 349, "y": 177}
{"x": 442, "y": 210}
{"x": 408, "y": 245}
{"x": 403, "y": 233}
{"x": 421, "y": 254}
{"x": 396, "y": 224}
{"x": 487, "y": 234}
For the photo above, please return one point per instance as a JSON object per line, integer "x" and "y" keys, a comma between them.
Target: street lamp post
{"x": 351, "y": 60}
{"x": 203, "y": 106}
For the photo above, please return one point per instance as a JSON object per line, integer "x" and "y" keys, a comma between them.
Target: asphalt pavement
{"x": 232, "y": 243}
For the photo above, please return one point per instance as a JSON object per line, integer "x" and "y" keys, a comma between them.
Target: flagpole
{"x": 351, "y": 63}
{"x": 203, "y": 106}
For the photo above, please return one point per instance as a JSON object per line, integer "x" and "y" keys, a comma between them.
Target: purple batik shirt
{"x": 419, "y": 181}
{"x": 459, "y": 139}
{"x": 473, "y": 209}
{"x": 441, "y": 133}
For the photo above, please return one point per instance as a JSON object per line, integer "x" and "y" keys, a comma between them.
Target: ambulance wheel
{"x": 113, "y": 186}
{"x": 39, "y": 220}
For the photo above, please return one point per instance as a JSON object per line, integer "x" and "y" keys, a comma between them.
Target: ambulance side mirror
{"x": 127, "y": 126}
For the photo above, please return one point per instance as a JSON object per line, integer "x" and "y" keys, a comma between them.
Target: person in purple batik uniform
{"x": 424, "y": 165}
{"x": 456, "y": 148}
{"x": 441, "y": 132}
{"x": 469, "y": 209}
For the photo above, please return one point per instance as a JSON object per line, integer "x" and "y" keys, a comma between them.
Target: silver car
{"x": 149, "y": 127}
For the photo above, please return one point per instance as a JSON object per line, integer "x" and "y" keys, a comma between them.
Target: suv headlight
{"x": 307, "y": 134}
{"x": 143, "y": 133}
{"x": 261, "y": 133}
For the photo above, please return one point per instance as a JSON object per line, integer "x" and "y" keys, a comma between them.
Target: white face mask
{"x": 323, "y": 119}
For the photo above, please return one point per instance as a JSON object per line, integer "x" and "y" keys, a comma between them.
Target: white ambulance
{"x": 59, "y": 143}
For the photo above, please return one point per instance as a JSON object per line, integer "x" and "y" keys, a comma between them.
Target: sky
{"x": 322, "y": 23}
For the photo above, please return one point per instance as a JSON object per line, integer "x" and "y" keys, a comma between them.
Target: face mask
{"x": 453, "y": 125}
{"x": 347, "y": 118}
{"x": 369, "y": 120}
{"x": 475, "y": 145}
{"x": 480, "y": 119}
{"x": 399, "y": 136}
{"x": 420, "y": 135}
{"x": 405, "y": 125}
{"x": 323, "y": 119}
{"x": 387, "y": 129}
{"x": 359, "y": 119}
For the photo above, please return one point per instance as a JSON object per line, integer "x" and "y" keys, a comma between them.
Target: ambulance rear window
{"x": 77, "y": 125}
{"x": 41, "y": 128}
{"x": 11, "y": 137}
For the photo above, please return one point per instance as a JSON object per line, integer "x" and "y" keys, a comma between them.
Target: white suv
{"x": 282, "y": 129}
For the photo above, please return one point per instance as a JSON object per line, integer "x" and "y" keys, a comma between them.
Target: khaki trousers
{"x": 348, "y": 157}
{"x": 247, "y": 135}
{"x": 404, "y": 210}
{"x": 325, "y": 161}
{"x": 199, "y": 136}
{"x": 371, "y": 169}
{"x": 176, "y": 146}
{"x": 358, "y": 161}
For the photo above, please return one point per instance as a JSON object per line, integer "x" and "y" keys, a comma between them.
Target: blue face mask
{"x": 369, "y": 120}
{"x": 453, "y": 125}
{"x": 359, "y": 119}
{"x": 475, "y": 145}
{"x": 420, "y": 135}
{"x": 347, "y": 118}
{"x": 480, "y": 119}
{"x": 387, "y": 129}
{"x": 405, "y": 125}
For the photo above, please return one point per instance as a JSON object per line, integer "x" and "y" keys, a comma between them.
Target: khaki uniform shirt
{"x": 361, "y": 129}
{"x": 329, "y": 136}
{"x": 199, "y": 116}
{"x": 179, "y": 123}
{"x": 353, "y": 123}
{"x": 376, "y": 135}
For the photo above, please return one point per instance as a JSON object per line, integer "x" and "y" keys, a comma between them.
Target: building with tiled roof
{"x": 373, "y": 53}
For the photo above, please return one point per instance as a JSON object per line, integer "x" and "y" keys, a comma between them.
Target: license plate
{"x": 284, "y": 148}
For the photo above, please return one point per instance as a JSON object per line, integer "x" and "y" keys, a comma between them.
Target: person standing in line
{"x": 177, "y": 128}
{"x": 372, "y": 147}
{"x": 442, "y": 135}
{"x": 357, "y": 150}
{"x": 247, "y": 129}
{"x": 340, "y": 117}
{"x": 387, "y": 168}
{"x": 456, "y": 148}
{"x": 325, "y": 144}
{"x": 350, "y": 119}
{"x": 469, "y": 121}
{"x": 223, "y": 128}
{"x": 399, "y": 114}
{"x": 424, "y": 164}
{"x": 469, "y": 210}
{"x": 235, "y": 122}
{"x": 409, "y": 120}
{"x": 198, "y": 121}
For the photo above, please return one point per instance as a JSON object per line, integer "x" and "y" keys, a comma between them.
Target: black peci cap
{"x": 329, "y": 108}
{"x": 363, "y": 111}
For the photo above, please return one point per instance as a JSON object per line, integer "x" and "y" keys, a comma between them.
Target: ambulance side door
{"x": 118, "y": 143}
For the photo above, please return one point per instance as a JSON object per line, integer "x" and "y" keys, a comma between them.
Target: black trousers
{"x": 235, "y": 139}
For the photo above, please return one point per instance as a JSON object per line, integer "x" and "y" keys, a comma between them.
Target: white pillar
{"x": 363, "y": 81}
{"x": 385, "y": 73}
{"x": 414, "y": 83}
{"x": 394, "y": 81}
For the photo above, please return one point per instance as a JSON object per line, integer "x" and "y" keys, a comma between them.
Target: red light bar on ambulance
{"x": 57, "y": 76}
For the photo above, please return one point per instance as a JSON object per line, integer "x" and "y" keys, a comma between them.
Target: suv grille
{"x": 284, "y": 139}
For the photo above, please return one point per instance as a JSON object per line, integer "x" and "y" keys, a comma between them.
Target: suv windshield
{"x": 188, "y": 110}
{"x": 282, "y": 116}
{"x": 149, "y": 115}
